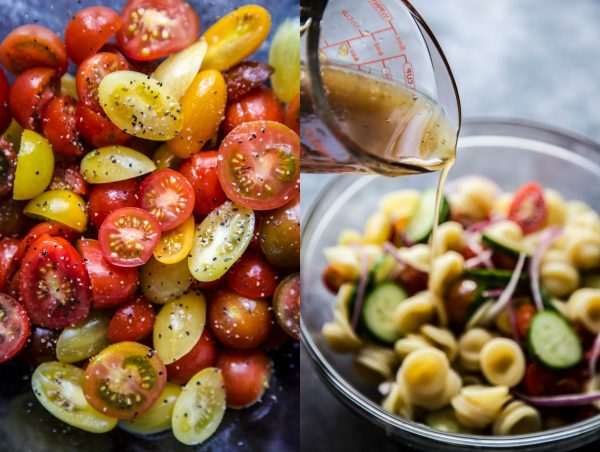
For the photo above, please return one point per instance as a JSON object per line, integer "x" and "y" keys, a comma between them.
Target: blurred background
{"x": 526, "y": 59}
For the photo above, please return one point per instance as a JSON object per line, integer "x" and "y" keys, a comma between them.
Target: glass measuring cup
{"x": 377, "y": 94}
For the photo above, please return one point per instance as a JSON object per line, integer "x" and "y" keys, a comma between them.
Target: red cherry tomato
{"x": 239, "y": 322}
{"x": 14, "y": 327}
{"x": 203, "y": 355}
{"x": 286, "y": 304}
{"x": 259, "y": 104}
{"x": 8, "y": 166}
{"x": 54, "y": 284}
{"x": 540, "y": 381}
{"x": 259, "y": 165}
{"x": 246, "y": 375}
{"x": 156, "y": 28}
{"x": 106, "y": 198}
{"x": 30, "y": 93}
{"x": 292, "y": 114}
{"x": 97, "y": 129}
{"x": 41, "y": 346}
{"x": 33, "y": 46}
{"x": 111, "y": 285}
{"x": 528, "y": 208}
{"x": 88, "y": 30}
{"x": 68, "y": 177}
{"x": 5, "y": 115}
{"x": 201, "y": 171}
{"x": 90, "y": 74}
{"x": 168, "y": 196}
{"x": 524, "y": 315}
{"x": 8, "y": 249}
{"x": 252, "y": 276}
{"x": 128, "y": 236}
{"x": 133, "y": 321}
{"x": 52, "y": 228}
{"x": 60, "y": 126}
{"x": 413, "y": 280}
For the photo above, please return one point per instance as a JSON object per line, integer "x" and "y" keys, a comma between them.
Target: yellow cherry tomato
{"x": 67, "y": 86}
{"x": 62, "y": 206}
{"x": 284, "y": 56}
{"x": 164, "y": 158}
{"x": 203, "y": 106}
{"x": 114, "y": 163}
{"x": 175, "y": 245}
{"x": 35, "y": 166}
{"x": 236, "y": 36}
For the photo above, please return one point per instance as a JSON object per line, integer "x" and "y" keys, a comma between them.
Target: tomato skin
{"x": 279, "y": 235}
{"x": 459, "y": 296}
{"x": 203, "y": 355}
{"x": 540, "y": 381}
{"x": 14, "y": 327}
{"x": 292, "y": 114}
{"x": 252, "y": 276}
{"x": 244, "y": 77}
{"x": 8, "y": 249}
{"x": 8, "y": 167}
{"x": 106, "y": 198}
{"x": 246, "y": 375}
{"x": 50, "y": 262}
{"x": 5, "y": 115}
{"x": 41, "y": 346}
{"x": 200, "y": 171}
{"x": 30, "y": 93}
{"x": 91, "y": 72}
{"x": 32, "y": 46}
{"x": 239, "y": 322}
{"x": 97, "y": 129}
{"x": 51, "y": 228}
{"x": 286, "y": 304}
{"x": 60, "y": 126}
{"x": 133, "y": 321}
{"x": 111, "y": 285}
{"x": 68, "y": 177}
{"x": 528, "y": 208}
{"x": 12, "y": 219}
{"x": 88, "y": 30}
{"x": 525, "y": 314}
{"x": 259, "y": 104}
{"x": 136, "y": 14}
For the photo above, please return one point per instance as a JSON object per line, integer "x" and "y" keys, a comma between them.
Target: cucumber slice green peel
{"x": 553, "y": 342}
{"x": 420, "y": 225}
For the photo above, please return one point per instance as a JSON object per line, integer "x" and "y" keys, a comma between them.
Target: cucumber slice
{"x": 420, "y": 225}
{"x": 553, "y": 342}
{"x": 494, "y": 277}
{"x": 382, "y": 269}
{"x": 378, "y": 309}
{"x": 499, "y": 237}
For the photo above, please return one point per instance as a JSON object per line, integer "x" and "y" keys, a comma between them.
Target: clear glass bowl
{"x": 509, "y": 152}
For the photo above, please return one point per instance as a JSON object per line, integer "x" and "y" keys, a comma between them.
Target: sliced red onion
{"x": 492, "y": 293}
{"x": 560, "y": 400}
{"x": 479, "y": 259}
{"x": 478, "y": 250}
{"x": 594, "y": 356}
{"x": 509, "y": 290}
{"x": 550, "y": 235}
{"x": 362, "y": 287}
{"x": 481, "y": 225}
{"x": 389, "y": 248}
{"x": 512, "y": 317}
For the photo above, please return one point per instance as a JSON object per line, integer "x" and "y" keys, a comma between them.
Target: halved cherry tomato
{"x": 5, "y": 115}
{"x": 88, "y": 30}
{"x": 111, "y": 285}
{"x": 156, "y": 28}
{"x": 8, "y": 165}
{"x": 168, "y": 196}
{"x": 292, "y": 114}
{"x": 132, "y": 322}
{"x": 35, "y": 166}
{"x": 91, "y": 72}
{"x": 52, "y": 228}
{"x": 200, "y": 357}
{"x": 279, "y": 235}
{"x": 525, "y": 314}
{"x": 246, "y": 375}
{"x": 59, "y": 124}
{"x": 201, "y": 171}
{"x": 33, "y": 46}
{"x": 113, "y": 164}
{"x": 540, "y": 381}
{"x": 175, "y": 245}
{"x": 286, "y": 304}
{"x": 252, "y": 276}
{"x": 128, "y": 236}
{"x": 30, "y": 93}
{"x": 528, "y": 208}
{"x": 260, "y": 104}
{"x": 239, "y": 322}
{"x": 68, "y": 177}
{"x": 124, "y": 380}
{"x": 244, "y": 77}
{"x": 106, "y": 198}
{"x": 97, "y": 129}
{"x": 8, "y": 249}
{"x": 54, "y": 284}
{"x": 259, "y": 164}
{"x": 459, "y": 295}
{"x": 14, "y": 327}
{"x": 63, "y": 206}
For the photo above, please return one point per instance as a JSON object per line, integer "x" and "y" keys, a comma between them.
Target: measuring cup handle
{"x": 311, "y": 9}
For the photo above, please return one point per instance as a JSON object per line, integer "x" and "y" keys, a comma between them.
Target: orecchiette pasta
{"x": 374, "y": 363}
{"x": 473, "y": 197}
{"x": 556, "y": 208}
{"x": 409, "y": 344}
{"x": 418, "y": 257}
{"x": 478, "y": 406}
{"x": 378, "y": 228}
{"x": 414, "y": 312}
{"x": 400, "y": 205}
{"x": 441, "y": 338}
{"x": 584, "y": 306}
{"x": 582, "y": 245}
{"x": 449, "y": 237}
{"x": 445, "y": 269}
{"x": 502, "y": 204}
{"x": 517, "y": 418}
{"x": 558, "y": 276}
{"x": 470, "y": 345}
{"x": 339, "y": 333}
{"x": 396, "y": 402}
{"x": 347, "y": 259}
{"x": 349, "y": 237}
{"x": 424, "y": 373}
{"x": 581, "y": 214}
{"x": 502, "y": 362}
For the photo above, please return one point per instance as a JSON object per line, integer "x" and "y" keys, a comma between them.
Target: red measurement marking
{"x": 345, "y": 41}
{"x": 352, "y": 20}
{"x": 381, "y": 9}
{"x": 353, "y": 53}
{"x": 409, "y": 75}
{"x": 398, "y": 39}
{"x": 377, "y": 46}
{"x": 381, "y": 60}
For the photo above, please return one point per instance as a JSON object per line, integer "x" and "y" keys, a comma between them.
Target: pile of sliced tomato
{"x": 149, "y": 214}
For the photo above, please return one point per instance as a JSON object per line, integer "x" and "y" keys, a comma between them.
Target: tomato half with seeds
{"x": 200, "y": 357}
{"x": 111, "y": 285}
{"x": 68, "y": 177}
{"x": 252, "y": 276}
{"x": 51, "y": 228}
{"x": 8, "y": 250}
{"x": 286, "y": 304}
{"x": 156, "y": 28}
{"x": 30, "y": 93}
{"x": 14, "y": 327}
{"x": 168, "y": 196}
{"x": 175, "y": 245}
{"x": 88, "y": 30}
{"x": 259, "y": 104}
{"x": 259, "y": 164}
{"x": 133, "y": 321}
{"x": 128, "y": 236}
{"x": 5, "y": 115}
{"x": 59, "y": 124}
{"x": 97, "y": 129}
{"x": 54, "y": 284}
{"x": 8, "y": 166}
{"x": 106, "y": 198}
{"x": 528, "y": 208}
{"x": 91, "y": 72}
{"x": 124, "y": 380}
{"x": 33, "y": 46}
{"x": 201, "y": 171}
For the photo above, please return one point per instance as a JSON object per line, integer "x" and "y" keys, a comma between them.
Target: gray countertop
{"x": 529, "y": 59}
